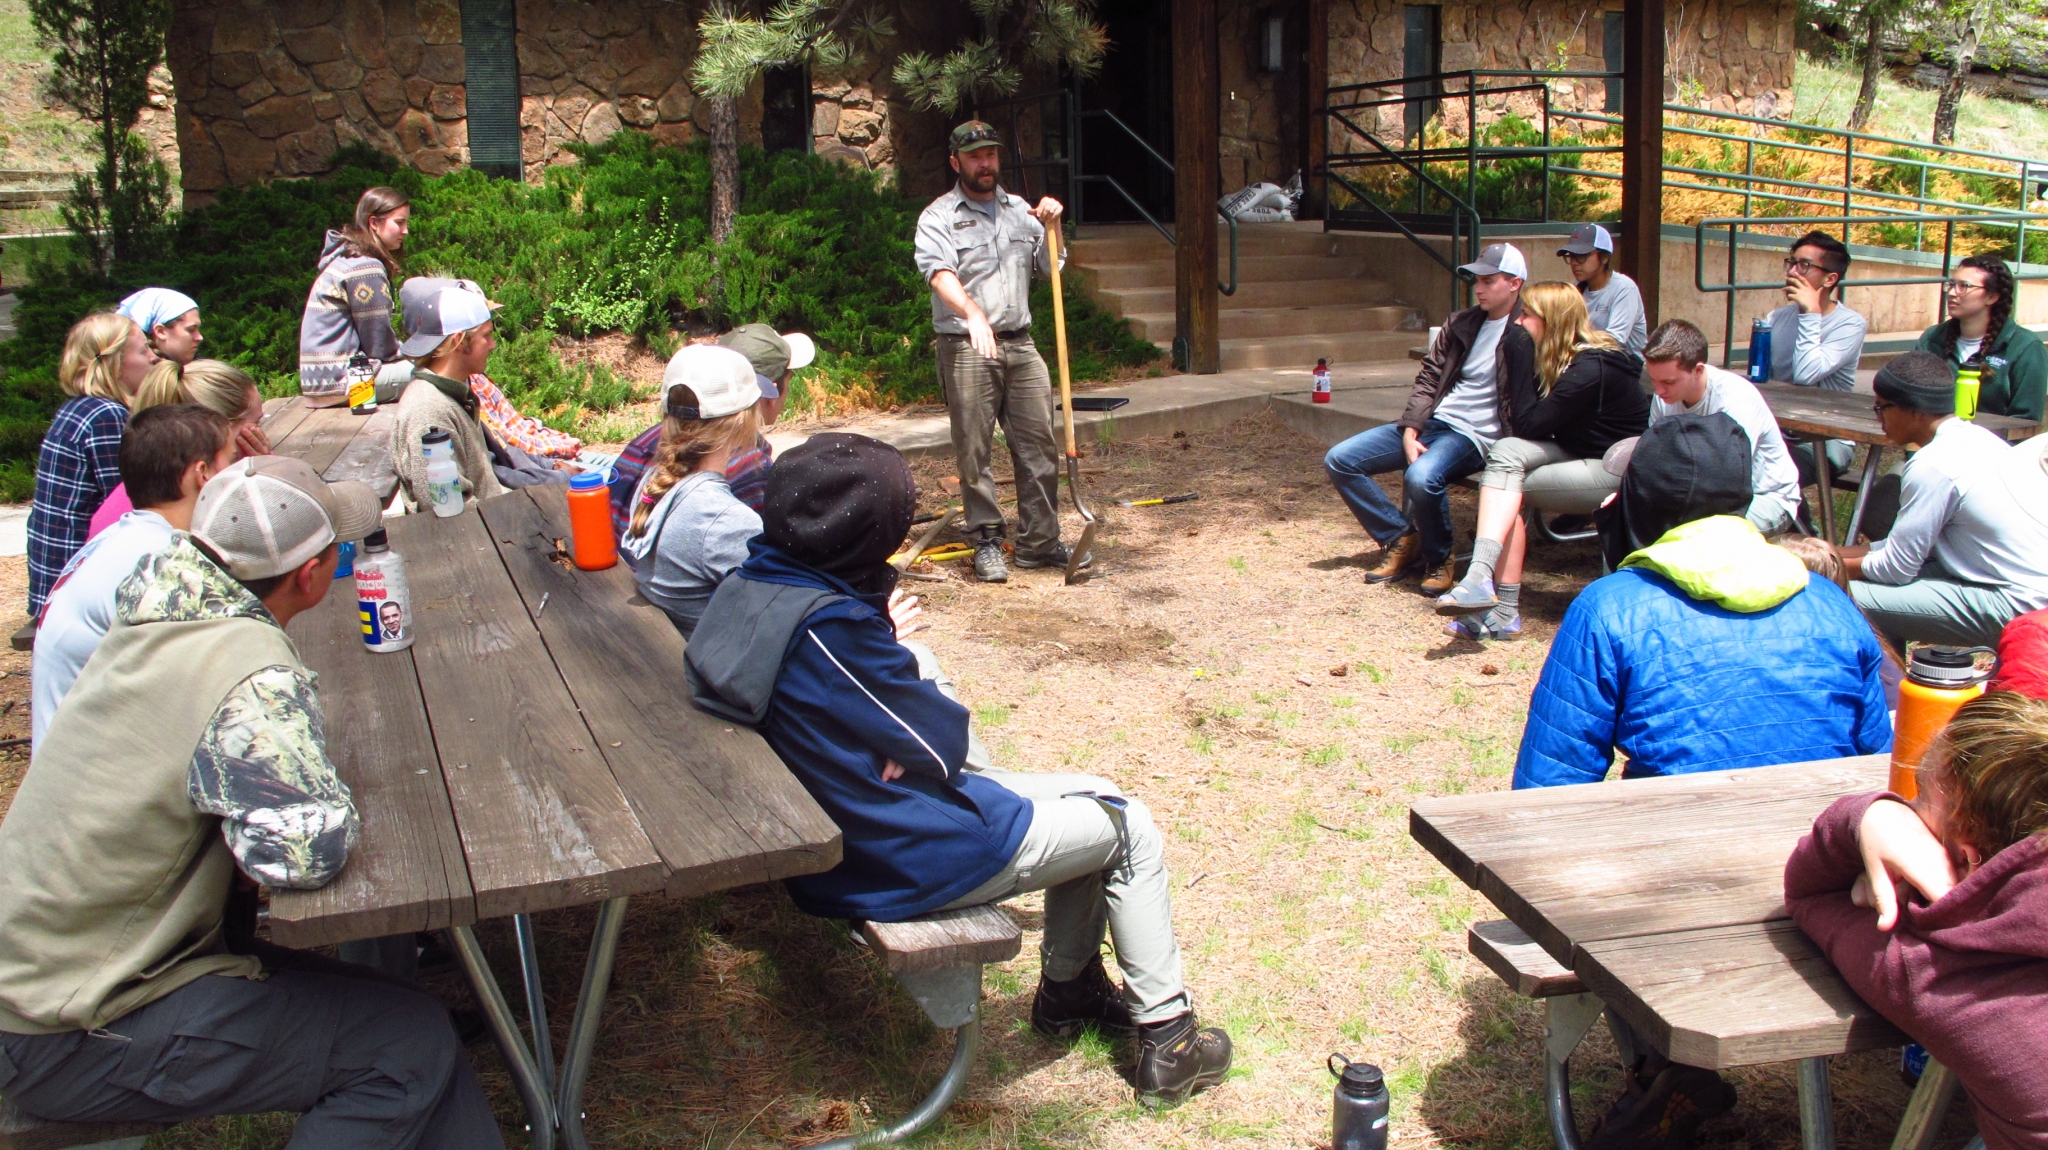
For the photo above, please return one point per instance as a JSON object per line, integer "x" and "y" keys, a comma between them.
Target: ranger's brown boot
{"x": 1401, "y": 556}
{"x": 1442, "y": 579}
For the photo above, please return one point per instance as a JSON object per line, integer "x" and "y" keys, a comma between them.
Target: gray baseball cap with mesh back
{"x": 268, "y": 514}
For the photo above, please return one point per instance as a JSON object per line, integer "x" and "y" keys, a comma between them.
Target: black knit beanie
{"x": 1918, "y": 381}
{"x": 1684, "y": 467}
{"x": 841, "y": 503}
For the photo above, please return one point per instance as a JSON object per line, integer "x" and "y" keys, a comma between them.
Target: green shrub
{"x": 617, "y": 242}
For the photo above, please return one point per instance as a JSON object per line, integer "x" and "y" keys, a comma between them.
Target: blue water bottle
{"x": 347, "y": 564}
{"x": 1759, "y": 350}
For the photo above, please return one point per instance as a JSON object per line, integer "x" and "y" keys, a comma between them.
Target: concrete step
{"x": 1250, "y": 269}
{"x": 1281, "y": 322}
{"x": 1303, "y": 351}
{"x": 1285, "y": 293}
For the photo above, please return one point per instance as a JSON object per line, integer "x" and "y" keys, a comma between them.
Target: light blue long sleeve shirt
{"x": 1815, "y": 350}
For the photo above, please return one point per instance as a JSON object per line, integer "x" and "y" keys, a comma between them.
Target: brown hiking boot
{"x": 1397, "y": 560}
{"x": 1442, "y": 580}
{"x": 1179, "y": 1058}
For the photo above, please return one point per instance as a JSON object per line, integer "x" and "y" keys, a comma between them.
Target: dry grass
{"x": 1195, "y": 670}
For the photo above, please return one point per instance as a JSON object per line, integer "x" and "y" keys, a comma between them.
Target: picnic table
{"x": 535, "y": 749}
{"x": 1817, "y": 414}
{"x": 1665, "y": 897}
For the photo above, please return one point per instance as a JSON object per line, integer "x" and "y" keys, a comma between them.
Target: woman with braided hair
{"x": 688, "y": 530}
{"x": 1980, "y": 327}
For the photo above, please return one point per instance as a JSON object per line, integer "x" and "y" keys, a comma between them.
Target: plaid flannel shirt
{"x": 746, "y": 474}
{"x": 79, "y": 465}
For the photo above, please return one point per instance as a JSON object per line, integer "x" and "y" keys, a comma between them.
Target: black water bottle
{"x": 1359, "y": 1114}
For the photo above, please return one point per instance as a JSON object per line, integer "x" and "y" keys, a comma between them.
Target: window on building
{"x": 786, "y": 109}
{"x": 491, "y": 77}
{"x": 1610, "y": 51}
{"x": 1421, "y": 55}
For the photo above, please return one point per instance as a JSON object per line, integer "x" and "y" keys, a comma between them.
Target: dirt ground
{"x": 1199, "y": 669}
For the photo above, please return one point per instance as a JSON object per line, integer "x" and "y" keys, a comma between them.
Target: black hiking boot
{"x": 1662, "y": 1107}
{"x": 1061, "y": 1010}
{"x": 1177, "y": 1059}
{"x": 1054, "y": 556}
{"x": 989, "y": 566}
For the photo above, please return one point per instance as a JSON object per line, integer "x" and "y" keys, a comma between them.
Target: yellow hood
{"x": 1724, "y": 559}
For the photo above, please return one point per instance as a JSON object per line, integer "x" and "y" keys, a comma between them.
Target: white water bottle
{"x": 383, "y": 602}
{"x": 444, "y": 479}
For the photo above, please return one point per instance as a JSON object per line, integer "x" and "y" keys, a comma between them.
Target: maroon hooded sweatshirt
{"x": 1966, "y": 975}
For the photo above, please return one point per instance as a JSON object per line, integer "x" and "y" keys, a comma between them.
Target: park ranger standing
{"x": 977, "y": 246}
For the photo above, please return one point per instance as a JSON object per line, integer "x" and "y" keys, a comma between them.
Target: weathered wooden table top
{"x": 338, "y": 443}
{"x": 522, "y": 757}
{"x": 1666, "y": 897}
{"x": 1817, "y": 411}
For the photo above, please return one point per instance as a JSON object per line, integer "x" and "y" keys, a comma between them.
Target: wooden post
{"x": 1642, "y": 158}
{"x": 1197, "y": 136}
{"x": 1315, "y": 85}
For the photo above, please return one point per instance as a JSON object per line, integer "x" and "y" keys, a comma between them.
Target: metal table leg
{"x": 967, "y": 1040}
{"x": 1567, "y": 1019}
{"x": 1816, "y": 1106}
{"x": 1870, "y": 465}
{"x": 597, "y": 979}
{"x": 552, "y": 1103}
{"x": 533, "y": 1087}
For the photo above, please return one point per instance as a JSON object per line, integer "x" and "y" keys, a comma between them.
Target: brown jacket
{"x": 1514, "y": 369}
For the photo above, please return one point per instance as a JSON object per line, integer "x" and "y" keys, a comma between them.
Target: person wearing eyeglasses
{"x": 1817, "y": 340}
{"x": 1969, "y": 550}
{"x": 1980, "y": 327}
{"x": 1613, "y": 301}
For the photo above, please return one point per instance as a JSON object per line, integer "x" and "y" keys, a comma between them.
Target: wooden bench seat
{"x": 19, "y": 1131}
{"x": 945, "y": 940}
{"x": 1525, "y": 966}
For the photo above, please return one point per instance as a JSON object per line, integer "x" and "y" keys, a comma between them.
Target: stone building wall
{"x": 587, "y": 70}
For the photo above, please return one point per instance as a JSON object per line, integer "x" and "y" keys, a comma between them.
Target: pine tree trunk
{"x": 725, "y": 166}
{"x": 1873, "y": 69}
{"x": 1950, "y": 103}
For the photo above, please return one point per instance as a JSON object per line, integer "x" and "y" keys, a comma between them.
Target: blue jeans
{"x": 1449, "y": 456}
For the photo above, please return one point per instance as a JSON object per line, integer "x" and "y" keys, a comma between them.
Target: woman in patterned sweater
{"x": 348, "y": 309}
{"x": 105, "y": 359}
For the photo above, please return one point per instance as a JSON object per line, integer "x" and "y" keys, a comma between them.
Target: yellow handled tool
{"x": 1190, "y": 497}
{"x": 1059, "y": 329}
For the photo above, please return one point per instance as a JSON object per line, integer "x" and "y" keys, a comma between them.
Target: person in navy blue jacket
{"x": 799, "y": 644}
{"x": 1707, "y": 648}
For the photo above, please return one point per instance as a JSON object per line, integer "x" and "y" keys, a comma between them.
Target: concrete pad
{"x": 14, "y": 529}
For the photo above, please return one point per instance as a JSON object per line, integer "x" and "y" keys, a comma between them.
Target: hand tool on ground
{"x": 1190, "y": 497}
{"x": 945, "y": 551}
{"x": 1079, "y": 554}
{"x": 903, "y": 558}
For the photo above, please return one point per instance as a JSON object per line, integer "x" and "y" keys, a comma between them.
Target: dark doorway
{"x": 786, "y": 109}
{"x": 1611, "y": 56}
{"x": 1135, "y": 85}
{"x": 492, "y": 65}
{"x": 1422, "y": 54}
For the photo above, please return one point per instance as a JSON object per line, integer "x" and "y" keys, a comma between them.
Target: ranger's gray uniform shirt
{"x": 992, "y": 246}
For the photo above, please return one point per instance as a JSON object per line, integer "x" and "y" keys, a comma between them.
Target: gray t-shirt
{"x": 1617, "y": 309}
{"x": 1471, "y": 408}
{"x": 701, "y": 531}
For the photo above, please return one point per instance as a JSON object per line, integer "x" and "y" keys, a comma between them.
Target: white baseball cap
{"x": 719, "y": 382}
{"x": 431, "y": 320}
{"x": 267, "y": 514}
{"x": 1499, "y": 258}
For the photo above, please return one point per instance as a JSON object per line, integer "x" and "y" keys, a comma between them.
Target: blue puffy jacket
{"x": 1709, "y": 650}
{"x": 816, "y": 668}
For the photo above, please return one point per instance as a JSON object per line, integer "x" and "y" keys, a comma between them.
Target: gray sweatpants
{"x": 1549, "y": 477}
{"x": 1015, "y": 391}
{"x": 1097, "y": 856}
{"x": 1937, "y": 607}
{"x": 365, "y": 1061}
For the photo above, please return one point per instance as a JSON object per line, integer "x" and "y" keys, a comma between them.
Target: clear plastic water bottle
{"x": 444, "y": 479}
{"x": 1359, "y": 1114}
{"x": 1759, "y": 350}
{"x": 383, "y": 602}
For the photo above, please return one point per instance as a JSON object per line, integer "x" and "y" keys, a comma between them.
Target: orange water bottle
{"x": 592, "y": 542}
{"x": 1939, "y": 680}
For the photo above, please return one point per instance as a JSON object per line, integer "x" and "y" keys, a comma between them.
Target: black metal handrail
{"x": 1461, "y": 210}
{"x": 1228, "y": 289}
{"x": 1734, "y": 224}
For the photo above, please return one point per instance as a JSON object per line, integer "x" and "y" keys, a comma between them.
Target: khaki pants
{"x": 1016, "y": 391}
{"x": 1548, "y": 476}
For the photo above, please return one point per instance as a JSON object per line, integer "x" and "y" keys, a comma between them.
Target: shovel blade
{"x": 1079, "y": 555}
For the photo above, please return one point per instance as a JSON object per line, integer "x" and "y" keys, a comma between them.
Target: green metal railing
{"x": 1738, "y": 225}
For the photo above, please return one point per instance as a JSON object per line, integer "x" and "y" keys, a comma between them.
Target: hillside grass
{"x": 1824, "y": 93}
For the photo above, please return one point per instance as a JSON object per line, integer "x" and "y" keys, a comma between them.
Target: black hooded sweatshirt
{"x": 1597, "y": 402}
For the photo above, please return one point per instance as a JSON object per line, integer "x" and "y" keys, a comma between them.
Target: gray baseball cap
{"x": 1498, "y": 258}
{"x": 1587, "y": 239}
